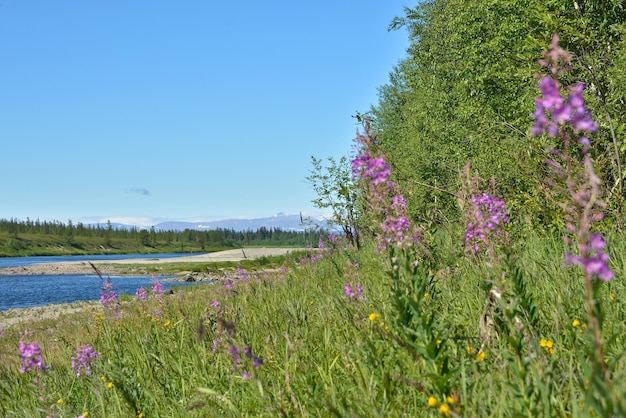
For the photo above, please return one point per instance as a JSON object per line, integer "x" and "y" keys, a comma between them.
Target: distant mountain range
{"x": 281, "y": 221}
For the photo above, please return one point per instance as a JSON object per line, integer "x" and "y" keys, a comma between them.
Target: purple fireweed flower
{"x": 375, "y": 170}
{"x": 31, "y": 357}
{"x": 398, "y": 202}
{"x": 358, "y": 163}
{"x": 581, "y": 119}
{"x": 108, "y": 297}
{"x": 256, "y": 361}
{"x": 381, "y": 195}
{"x": 554, "y": 114}
{"x": 215, "y": 304}
{"x": 570, "y": 110}
{"x": 242, "y": 273}
{"x": 359, "y": 290}
{"x": 234, "y": 353}
{"x": 82, "y": 362}
{"x": 489, "y": 215}
{"x": 157, "y": 288}
{"x": 316, "y": 257}
{"x": 141, "y": 294}
{"x": 378, "y": 170}
{"x": 552, "y": 110}
{"x": 490, "y": 210}
{"x": 594, "y": 260}
{"x": 395, "y": 229}
{"x": 228, "y": 284}
{"x": 350, "y": 293}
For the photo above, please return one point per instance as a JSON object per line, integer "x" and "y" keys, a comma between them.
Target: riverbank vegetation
{"x": 482, "y": 275}
{"x": 325, "y": 336}
{"x": 32, "y": 238}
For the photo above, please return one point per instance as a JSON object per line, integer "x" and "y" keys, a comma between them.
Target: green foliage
{"x": 465, "y": 93}
{"x": 336, "y": 191}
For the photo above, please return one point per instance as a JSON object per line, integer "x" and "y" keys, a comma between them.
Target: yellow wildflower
{"x": 432, "y": 402}
{"x": 85, "y": 414}
{"x": 109, "y": 385}
{"x": 166, "y": 323}
{"x": 450, "y": 400}
{"x": 373, "y": 316}
{"x": 548, "y": 345}
{"x": 444, "y": 409}
{"x": 102, "y": 378}
{"x": 481, "y": 356}
{"x": 576, "y": 323}
{"x": 60, "y": 401}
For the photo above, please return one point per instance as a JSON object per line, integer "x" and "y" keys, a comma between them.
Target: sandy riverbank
{"x": 114, "y": 266}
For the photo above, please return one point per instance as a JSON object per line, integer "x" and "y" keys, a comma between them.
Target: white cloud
{"x": 140, "y": 190}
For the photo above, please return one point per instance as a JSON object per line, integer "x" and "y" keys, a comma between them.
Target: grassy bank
{"x": 295, "y": 343}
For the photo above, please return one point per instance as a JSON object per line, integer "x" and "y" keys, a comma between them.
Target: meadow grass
{"x": 323, "y": 353}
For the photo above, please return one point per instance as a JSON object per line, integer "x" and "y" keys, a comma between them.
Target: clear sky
{"x": 142, "y": 111}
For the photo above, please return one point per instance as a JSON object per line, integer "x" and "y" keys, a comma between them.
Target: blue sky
{"x": 145, "y": 111}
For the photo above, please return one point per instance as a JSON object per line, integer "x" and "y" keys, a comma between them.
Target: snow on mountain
{"x": 281, "y": 221}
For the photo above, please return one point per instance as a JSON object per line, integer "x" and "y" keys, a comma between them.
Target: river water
{"x": 23, "y": 291}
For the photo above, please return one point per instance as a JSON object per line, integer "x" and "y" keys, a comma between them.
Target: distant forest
{"x": 16, "y": 235}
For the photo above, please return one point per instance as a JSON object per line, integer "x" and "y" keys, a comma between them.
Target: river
{"x": 24, "y": 291}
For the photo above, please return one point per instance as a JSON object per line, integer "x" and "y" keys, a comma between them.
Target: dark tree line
{"x": 220, "y": 237}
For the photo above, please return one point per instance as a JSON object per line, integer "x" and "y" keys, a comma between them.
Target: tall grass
{"x": 323, "y": 353}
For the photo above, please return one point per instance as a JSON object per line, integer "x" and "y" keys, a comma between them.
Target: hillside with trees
{"x": 18, "y": 238}
{"x": 465, "y": 92}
